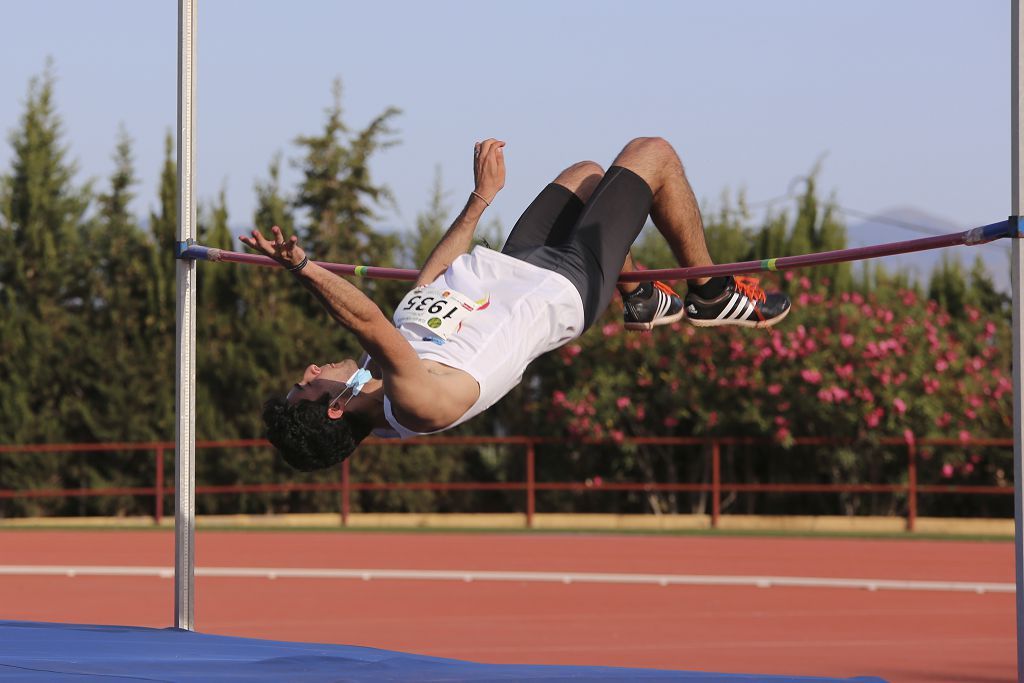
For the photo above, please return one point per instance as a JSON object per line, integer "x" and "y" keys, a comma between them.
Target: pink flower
{"x": 864, "y": 394}
{"x": 899, "y": 405}
{"x": 908, "y": 436}
{"x": 617, "y": 436}
{"x": 846, "y": 340}
{"x": 964, "y": 436}
{"x": 558, "y": 397}
{"x": 947, "y": 470}
{"x": 622, "y": 402}
{"x": 871, "y": 420}
{"x": 968, "y": 468}
{"x": 774, "y": 389}
{"x": 573, "y": 350}
{"x": 670, "y": 422}
{"x": 610, "y": 329}
{"x": 811, "y": 376}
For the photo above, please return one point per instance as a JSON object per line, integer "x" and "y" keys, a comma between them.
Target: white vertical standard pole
{"x": 185, "y": 401}
{"x": 1017, "y": 283}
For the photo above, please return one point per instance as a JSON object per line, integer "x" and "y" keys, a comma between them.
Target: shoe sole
{"x": 666, "y": 320}
{"x": 696, "y": 322}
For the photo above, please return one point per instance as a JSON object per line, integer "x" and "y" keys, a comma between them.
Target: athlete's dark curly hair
{"x": 307, "y": 438}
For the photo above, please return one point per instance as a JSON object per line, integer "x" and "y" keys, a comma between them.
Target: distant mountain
{"x": 885, "y": 227}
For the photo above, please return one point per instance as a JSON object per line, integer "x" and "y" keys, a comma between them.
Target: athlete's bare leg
{"x": 628, "y": 266}
{"x": 582, "y": 178}
{"x": 674, "y": 208}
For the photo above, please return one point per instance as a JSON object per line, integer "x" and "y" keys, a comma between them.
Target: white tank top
{"x": 522, "y": 312}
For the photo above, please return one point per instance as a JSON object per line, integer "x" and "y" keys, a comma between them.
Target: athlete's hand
{"x": 287, "y": 252}
{"x": 489, "y": 168}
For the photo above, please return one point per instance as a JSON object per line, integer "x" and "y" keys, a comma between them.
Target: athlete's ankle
{"x": 642, "y": 290}
{"x": 710, "y": 289}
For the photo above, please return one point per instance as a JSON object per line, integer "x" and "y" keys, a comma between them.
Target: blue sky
{"x": 908, "y": 100}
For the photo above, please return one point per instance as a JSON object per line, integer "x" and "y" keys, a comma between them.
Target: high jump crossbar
{"x": 974, "y": 236}
{"x": 184, "y": 520}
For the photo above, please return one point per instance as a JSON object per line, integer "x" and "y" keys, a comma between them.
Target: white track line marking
{"x": 514, "y": 576}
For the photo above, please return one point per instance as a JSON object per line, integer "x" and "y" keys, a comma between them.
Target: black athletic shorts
{"x": 585, "y": 243}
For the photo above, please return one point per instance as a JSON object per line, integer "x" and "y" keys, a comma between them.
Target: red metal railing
{"x": 345, "y": 486}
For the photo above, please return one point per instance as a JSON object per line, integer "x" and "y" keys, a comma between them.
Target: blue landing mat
{"x": 32, "y": 652}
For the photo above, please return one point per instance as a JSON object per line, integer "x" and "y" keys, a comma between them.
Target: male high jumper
{"x": 463, "y": 336}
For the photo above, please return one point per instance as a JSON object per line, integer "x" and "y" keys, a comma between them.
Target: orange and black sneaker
{"x": 650, "y": 305}
{"x": 742, "y": 302}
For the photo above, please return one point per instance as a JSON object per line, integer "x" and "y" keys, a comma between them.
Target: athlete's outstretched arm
{"x": 489, "y": 174}
{"x": 345, "y": 303}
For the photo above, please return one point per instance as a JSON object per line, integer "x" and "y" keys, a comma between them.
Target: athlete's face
{"x": 320, "y": 379}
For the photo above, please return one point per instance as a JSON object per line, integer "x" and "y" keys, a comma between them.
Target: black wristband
{"x": 295, "y": 269}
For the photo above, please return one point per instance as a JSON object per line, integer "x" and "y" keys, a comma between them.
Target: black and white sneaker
{"x": 652, "y": 304}
{"x": 742, "y": 302}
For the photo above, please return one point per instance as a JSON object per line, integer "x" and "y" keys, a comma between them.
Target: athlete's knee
{"x": 651, "y": 146}
{"x": 581, "y": 178}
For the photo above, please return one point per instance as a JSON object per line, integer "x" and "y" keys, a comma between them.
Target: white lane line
{"x": 514, "y": 576}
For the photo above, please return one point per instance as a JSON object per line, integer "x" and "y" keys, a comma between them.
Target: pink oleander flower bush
{"x": 850, "y": 366}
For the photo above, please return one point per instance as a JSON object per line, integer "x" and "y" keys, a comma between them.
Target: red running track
{"x": 902, "y": 636}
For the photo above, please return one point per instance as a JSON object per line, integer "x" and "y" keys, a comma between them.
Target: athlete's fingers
{"x": 485, "y": 148}
{"x": 278, "y": 237}
{"x": 262, "y": 243}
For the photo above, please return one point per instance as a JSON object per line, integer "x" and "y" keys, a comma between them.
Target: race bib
{"x": 434, "y": 312}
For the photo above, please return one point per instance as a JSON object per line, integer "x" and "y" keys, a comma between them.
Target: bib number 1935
{"x": 434, "y": 311}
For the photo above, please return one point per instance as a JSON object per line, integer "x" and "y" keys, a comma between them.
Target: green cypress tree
{"x": 802, "y": 236}
{"x": 272, "y": 207}
{"x": 44, "y": 277}
{"x": 982, "y": 292}
{"x": 727, "y": 237}
{"x": 339, "y": 197}
{"x": 337, "y": 191}
{"x": 948, "y": 286}
{"x": 431, "y": 224}
{"x": 120, "y": 311}
{"x": 43, "y": 269}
